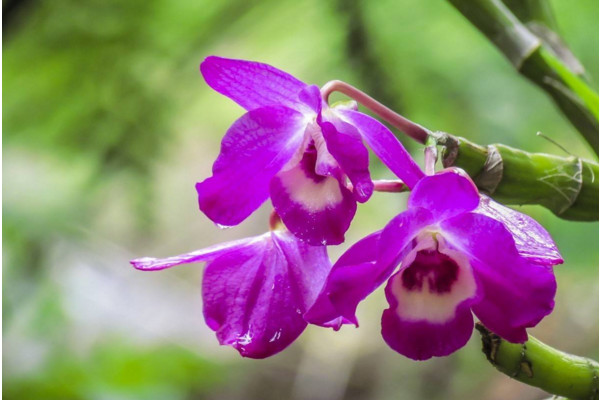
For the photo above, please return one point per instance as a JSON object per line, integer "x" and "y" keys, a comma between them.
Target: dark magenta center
{"x": 433, "y": 267}
{"x": 308, "y": 163}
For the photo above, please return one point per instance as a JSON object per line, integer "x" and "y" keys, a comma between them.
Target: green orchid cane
{"x": 567, "y": 186}
{"x": 537, "y": 61}
{"x": 542, "y": 366}
{"x": 538, "y": 17}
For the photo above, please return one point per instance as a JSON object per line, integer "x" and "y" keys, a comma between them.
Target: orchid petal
{"x": 517, "y": 293}
{"x": 344, "y": 142}
{"x": 531, "y": 239}
{"x": 385, "y": 145}
{"x": 309, "y": 265}
{"x": 315, "y": 208}
{"x": 364, "y": 267}
{"x": 251, "y": 84}
{"x": 254, "y": 297}
{"x": 311, "y": 96}
{"x": 446, "y": 194}
{"x": 254, "y": 149}
{"x": 352, "y": 278}
{"x": 421, "y": 339}
{"x": 430, "y": 299}
{"x": 398, "y": 233}
{"x": 156, "y": 264}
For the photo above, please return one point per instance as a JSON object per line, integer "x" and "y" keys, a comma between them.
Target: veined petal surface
{"x": 531, "y": 239}
{"x": 254, "y": 298}
{"x": 252, "y": 84}
{"x": 517, "y": 293}
{"x": 254, "y": 149}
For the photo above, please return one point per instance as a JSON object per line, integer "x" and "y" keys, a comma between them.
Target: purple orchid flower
{"x": 256, "y": 290}
{"x": 291, "y": 146}
{"x": 458, "y": 253}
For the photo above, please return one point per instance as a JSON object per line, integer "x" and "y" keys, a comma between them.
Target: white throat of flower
{"x": 424, "y": 303}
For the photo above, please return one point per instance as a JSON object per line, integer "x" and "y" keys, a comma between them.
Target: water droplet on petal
{"x": 275, "y": 336}
{"x": 245, "y": 339}
{"x": 224, "y": 226}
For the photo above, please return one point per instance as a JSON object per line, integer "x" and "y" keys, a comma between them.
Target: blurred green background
{"x": 108, "y": 125}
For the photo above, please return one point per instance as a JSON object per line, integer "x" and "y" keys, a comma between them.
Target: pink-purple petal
{"x": 157, "y": 264}
{"x": 517, "y": 293}
{"x": 251, "y": 84}
{"x": 352, "y": 278}
{"x": 308, "y": 265}
{"x": 254, "y": 149}
{"x": 446, "y": 194}
{"x": 397, "y": 235}
{"x": 421, "y": 339}
{"x": 345, "y": 144}
{"x": 311, "y": 96}
{"x": 532, "y": 240}
{"x": 385, "y": 145}
{"x": 254, "y": 298}
{"x": 364, "y": 267}
{"x": 317, "y": 209}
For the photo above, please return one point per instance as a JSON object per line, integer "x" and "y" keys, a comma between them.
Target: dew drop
{"x": 275, "y": 336}
{"x": 245, "y": 339}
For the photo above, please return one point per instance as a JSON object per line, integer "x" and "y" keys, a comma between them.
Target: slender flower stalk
{"x": 540, "y": 365}
{"x": 412, "y": 129}
{"x": 389, "y": 186}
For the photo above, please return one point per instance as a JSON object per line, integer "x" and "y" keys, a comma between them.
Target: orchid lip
{"x": 433, "y": 281}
